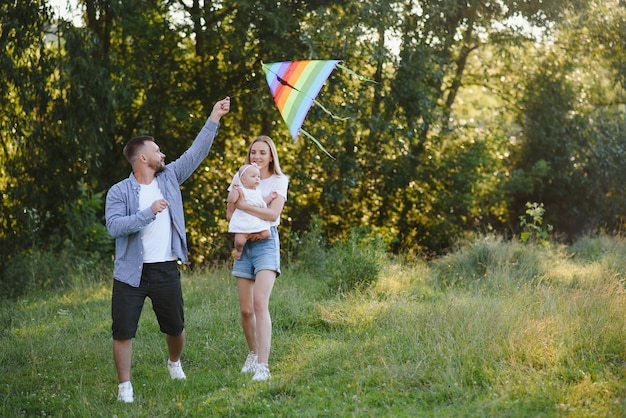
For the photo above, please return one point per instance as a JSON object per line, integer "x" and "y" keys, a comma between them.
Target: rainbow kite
{"x": 295, "y": 85}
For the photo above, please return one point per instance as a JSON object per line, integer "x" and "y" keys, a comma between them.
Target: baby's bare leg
{"x": 240, "y": 241}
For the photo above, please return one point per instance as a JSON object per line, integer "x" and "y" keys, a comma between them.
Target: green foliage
{"x": 553, "y": 136}
{"x": 472, "y": 115}
{"x": 533, "y": 230}
{"x": 350, "y": 264}
{"x": 307, "y": 251}
{"x": 505, "y": 346}
{"x": 85, "y": 223}
{"x": 564, "y": 119}
{"x": 39, "y": 270}
{"x": 488, "y": 262}
{"x": 354, "y": 263}
{"x": 49, "y": 262}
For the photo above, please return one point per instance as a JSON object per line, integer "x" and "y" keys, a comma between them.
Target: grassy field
{"x": 493, "y": 329}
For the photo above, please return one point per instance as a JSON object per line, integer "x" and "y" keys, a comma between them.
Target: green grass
{"x": 494, "y": 329}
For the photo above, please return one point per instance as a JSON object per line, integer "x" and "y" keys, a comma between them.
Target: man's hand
{"x": 159, "y": 206}
{"x": 220, "y": 109}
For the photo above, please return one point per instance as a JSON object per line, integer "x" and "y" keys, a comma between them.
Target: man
{"x": 144, "y": 213}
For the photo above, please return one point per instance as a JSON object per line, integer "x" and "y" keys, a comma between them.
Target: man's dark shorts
{"x": 161, "y": 283}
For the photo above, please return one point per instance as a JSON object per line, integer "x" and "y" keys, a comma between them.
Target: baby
{"x": 243, "y": 224}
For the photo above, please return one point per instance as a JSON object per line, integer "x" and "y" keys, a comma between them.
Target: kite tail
{"x": 328, "y": 111}
{"x": 360, "y": 77}
{"x": 312, "y": 138}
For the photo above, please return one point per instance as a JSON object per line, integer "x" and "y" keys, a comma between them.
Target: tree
{"x": 24, "y": 74}
{"x": 571, "y": 119}
{"x": 472, "y": 113}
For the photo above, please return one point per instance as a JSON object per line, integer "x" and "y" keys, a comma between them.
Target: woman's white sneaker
{"x": 250, "y": 364}
{"x": 262, "y": 373}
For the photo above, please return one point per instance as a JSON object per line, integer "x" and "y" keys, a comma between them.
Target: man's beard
{"x": 157, "y": 166}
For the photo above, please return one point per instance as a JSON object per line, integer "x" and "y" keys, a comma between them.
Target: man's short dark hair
{"x": 131, "y": 147}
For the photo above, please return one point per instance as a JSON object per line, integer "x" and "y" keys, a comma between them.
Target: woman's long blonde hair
{"x": 274, "y": 165}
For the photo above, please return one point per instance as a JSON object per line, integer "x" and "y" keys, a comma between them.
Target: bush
{"x": 37, "y": 270}
{"x": 491, "y": 262}
{"x": 355, "y": 262}
{"x": 532, "y": 225}
{"x": 308, "y": 252}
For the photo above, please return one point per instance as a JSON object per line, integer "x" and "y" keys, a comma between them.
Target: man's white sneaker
{"x": 262, "y": 373}
{"x": 250, "y": 364}
{"x": 176, "y": 370}
{"x": 125, "y": 392}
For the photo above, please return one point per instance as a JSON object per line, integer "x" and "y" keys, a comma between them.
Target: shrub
{"x": 533, "y": 229}
{"x": 30, "y": 270}
{"x": 354, "y": 263}
{"x": 38, "y": 270}
{"x": 308, "y": 252}
{"x": 491, "y": 262}
{"x": 84, "y": 222}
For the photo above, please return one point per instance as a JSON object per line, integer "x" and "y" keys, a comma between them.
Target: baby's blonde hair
{"x": 245, "y": 168}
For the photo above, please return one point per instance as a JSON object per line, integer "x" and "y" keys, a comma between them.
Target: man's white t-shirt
{"x": 157, "y": 235}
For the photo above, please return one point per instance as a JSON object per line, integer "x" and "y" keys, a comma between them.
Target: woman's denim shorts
{"x": 257, "y": 256}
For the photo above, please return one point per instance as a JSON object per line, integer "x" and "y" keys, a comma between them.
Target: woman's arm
{"x": 271, "y": 213}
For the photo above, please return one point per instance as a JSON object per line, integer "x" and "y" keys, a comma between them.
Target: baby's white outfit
{"x": 243, "y": 222}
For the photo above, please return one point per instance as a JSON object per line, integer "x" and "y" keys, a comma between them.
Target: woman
{"x": 259, "y": 265}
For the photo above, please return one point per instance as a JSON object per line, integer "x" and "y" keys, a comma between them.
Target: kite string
{"x": 247, "y": 91}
